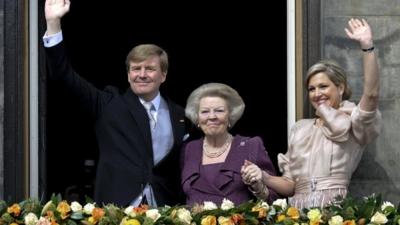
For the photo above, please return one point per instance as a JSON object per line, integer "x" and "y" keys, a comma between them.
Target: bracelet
{"x": 262, "y": 192}
{"x": 368, "y": 49}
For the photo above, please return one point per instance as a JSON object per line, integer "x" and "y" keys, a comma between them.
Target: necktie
{"x": 151, "y": 112}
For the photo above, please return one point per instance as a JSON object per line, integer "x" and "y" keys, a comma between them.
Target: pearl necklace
{"x": 212, "y": 152}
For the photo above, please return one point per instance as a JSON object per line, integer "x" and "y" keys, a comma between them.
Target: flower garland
{"x": 367, "y": 211}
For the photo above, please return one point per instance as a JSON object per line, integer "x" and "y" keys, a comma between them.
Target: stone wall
{"x": 1, "y": 101}
{"x": 379, "y": 168}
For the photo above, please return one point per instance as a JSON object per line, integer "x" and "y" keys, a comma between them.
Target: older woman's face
{"x": 321, "y": 90}
{"x": 213, "y": 116}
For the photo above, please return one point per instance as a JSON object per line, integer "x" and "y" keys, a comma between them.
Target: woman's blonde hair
{"x": 334, "y": 72}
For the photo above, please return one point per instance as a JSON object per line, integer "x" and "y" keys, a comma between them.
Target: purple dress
{"x": 214, "y": 182}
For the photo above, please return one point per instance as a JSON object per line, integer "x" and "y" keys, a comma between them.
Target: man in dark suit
{"x": 139, "y": 148}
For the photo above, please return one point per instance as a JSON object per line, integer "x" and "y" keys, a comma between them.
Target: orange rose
{"x": 293, "y": 213}
{"x": 98, "y": 213}
{"x": 64, "y": 209}
{"x": 237, "y": 218}
{"x": 361, "y": 221}
{"x": 15, "y": 209}
{"x": 349, "y": 222}
{"x": 141, "y": 209}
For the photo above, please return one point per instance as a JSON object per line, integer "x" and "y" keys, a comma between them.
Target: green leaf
{"x": 49, "y": 206}
{"x": 3, "y": 207}
{"x": 71, "y": 222}
{"x": 6, "y": 217}
{"x": 147, "y": 221}
{"x": 77, "y": 216}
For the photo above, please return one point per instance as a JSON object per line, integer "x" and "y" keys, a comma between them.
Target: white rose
{"x": 379, "y": 218}
{"x": 264, "y": 205}
{"x": 88, "y": 208}
{"x": 227, "y": 204}
{"x": 30, "y": 219}
{"x": 386, "y": 204}
{"x": 280, "y": 202}
{"x": 129, "y": 211}
{"x": 153, "y": 214}
{"x": 336, "y": 220}
{"x": 76, "y": 207}
{"x": 43, "y": 221}
{"x": 184, "y": 215}
{"x": 209, "y": 205}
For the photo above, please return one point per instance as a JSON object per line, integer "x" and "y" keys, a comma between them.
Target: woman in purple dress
{"x": 220, "y": 165}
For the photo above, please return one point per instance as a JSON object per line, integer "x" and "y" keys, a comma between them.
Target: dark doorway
{"x": 241, "y": 44}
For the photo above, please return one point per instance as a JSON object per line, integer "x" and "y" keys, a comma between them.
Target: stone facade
{"x": 1, "y": 102}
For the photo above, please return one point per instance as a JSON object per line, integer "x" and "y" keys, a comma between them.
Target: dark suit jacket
{"x": 228, "y": 183}
{"x": 124, "y": 139}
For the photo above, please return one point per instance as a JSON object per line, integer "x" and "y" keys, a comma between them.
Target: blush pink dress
{"x": 321, "y": 159}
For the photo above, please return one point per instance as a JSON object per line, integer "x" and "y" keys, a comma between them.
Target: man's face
{"x": 145, "y": 77}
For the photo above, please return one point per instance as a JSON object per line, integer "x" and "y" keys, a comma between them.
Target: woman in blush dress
{"x": 324, "y": 152}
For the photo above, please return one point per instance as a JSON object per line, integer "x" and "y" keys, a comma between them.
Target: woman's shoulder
{"x": 195, "y": 142}
{"x": 193, "y": 145}
{"x": 240, "y": 138}
{"x": 303, "y": 124}
{"x": 248, "y": 141}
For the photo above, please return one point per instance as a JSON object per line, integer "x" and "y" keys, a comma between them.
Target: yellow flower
{"x": 63, "y": 208}
{"x": 262, "y": 212}
{"x": 225, "y": 221}
{"x": 314, "y": 215}
{"x": 209, "y": 220}
{"x": 15, "y": 209}
{"x": 293, "y": 213}
{"x": 126, "y": 221}
{"x": 281, "y": 217}
{"x": 92, "y": 220}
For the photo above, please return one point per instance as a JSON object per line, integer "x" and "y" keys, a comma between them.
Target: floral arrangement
{"x": 367, "y": 211}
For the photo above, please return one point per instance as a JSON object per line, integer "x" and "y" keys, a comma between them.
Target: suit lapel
{"x": 140, "y": 116}
{"x": 177, "y": 122}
